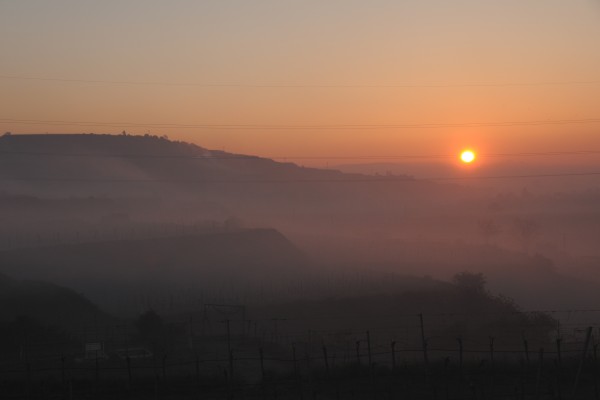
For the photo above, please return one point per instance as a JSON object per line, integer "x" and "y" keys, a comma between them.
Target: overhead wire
{"x": 402, "y": 85}
{"x": 220, "y": 155}
{"x": 301, "y": 127}
{"x": 365, "y": 179}
{"x": 212, "y": 155}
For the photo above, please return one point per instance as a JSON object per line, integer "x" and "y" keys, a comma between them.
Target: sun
{"x": 467, "y": 156}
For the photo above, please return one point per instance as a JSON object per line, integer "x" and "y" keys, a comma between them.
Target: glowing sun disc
{"x": 467, "y": 156}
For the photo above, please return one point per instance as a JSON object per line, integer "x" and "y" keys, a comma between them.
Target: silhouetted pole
{"x": 129, "y": 370}
{"x": 229, "y": 351}
{"x": 423, "y": 340}
{"x": 97, "y": 371}
{"x": 538, "y": 381}
{"x": 307, "y": 353}
{"x": 358, "y": 352}
{"x": 295, "y": 361}
{"x": 558, "y": 352}
{"x": 229, "y": 382}
{"x": 262, "y": 363}
{"x": 460, "y": 355}
{"x": 28, "y": 380}
{"x": 588, "y": 336}
{"x": 62, "y": 370}
{"x": 595, "y": 377}
{"x": 492, "y": 364}
{"x": 393, "y": 356}
{"x": 369, "y": 349}
{"x": 197, "y": 369}
{"x": 191, "y": 333}
{"x": 558, "y": 368}
{"x": 445, "y": 378}
{"x": 326, "y": 360}
{"x": 526, "y": 346}
{"x": 244, "y": 323}
{"x": 297, "y": 372}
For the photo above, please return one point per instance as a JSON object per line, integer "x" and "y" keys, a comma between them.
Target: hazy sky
{"x": 541, "y": 59}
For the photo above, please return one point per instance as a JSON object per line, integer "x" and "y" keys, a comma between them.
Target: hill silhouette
{"x": 463, "y": 308}
{"x": 100, "y": 188}
{"x": 84, "y": 164}
{"x": 114, "y": 272}
{"x": 50, "y": 304}
{"x": 124, "y": 157}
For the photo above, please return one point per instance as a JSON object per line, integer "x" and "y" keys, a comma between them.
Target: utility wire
{"x": 212, "y": 156}
{"x": 366, "y": 179}
{"x": 300, "y": 86}
{"x": 303, "y": 127}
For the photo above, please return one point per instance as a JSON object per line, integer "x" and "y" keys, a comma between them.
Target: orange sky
{"x": 391, "y": 64}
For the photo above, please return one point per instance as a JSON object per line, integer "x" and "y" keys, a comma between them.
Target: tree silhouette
{"x": 526, "y": 230}
{"x": 470, "y": 282}
{"x": 488, "y": 229}
{"x": 150, "y": 326}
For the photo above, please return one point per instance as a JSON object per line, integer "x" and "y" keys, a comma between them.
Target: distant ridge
{"x": 128, "y": 166}
{"x": 48, "y": 303}
{"x": 101, "y": 270}
{"x": 50, "y": 149}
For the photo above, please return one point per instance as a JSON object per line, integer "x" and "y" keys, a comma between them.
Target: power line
{"x": 365, "y": 179}
{"x": 446, "y": 314}
{"x": 300, "y": 86}
{"x": 303, "y": 127}
{"x": 212, "y": 156}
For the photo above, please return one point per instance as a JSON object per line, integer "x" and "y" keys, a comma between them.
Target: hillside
{"x": 76, "y": 181}
{"x": 122, "y": 165}
{"x": 90, "y": 157}
{"x": 119, "y": 272}
{"x": 463, "y": 308}
{"x": 50, "y": 304}
{"x": 118, "y": 204}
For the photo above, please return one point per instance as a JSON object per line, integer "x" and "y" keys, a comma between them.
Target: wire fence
{"x": 267, "y": 361}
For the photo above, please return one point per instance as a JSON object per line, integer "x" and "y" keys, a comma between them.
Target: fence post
{"x": 558, "y": 352}
{"x": 595, "y": 378}
{"x": 460, "y": 354}
{"x": 558, "y": 368}
{"x": 197, "y": 369}
{"x": 295, "y": 361}
{"x": 423, "y": 340}
{"x": 62, "y": 370}
{"x": 191, "y": 333}
{"x": 526, "y": 345}
{"x": 588, "y": 336}
{"x": 538, "y": 380}
{"x": 326, "y": 360}
{"x": 393, "y": 356}
{"x": 492, "y": 367}
{"x": 492, "y": 350}
{"x": 262, "y": 363}
{"x": 228, "y": 383}
{"x": 97, "y": 371}
{"x": 164, "y": 367}
{"x": 129, "y": 370}
{"x": 308, "y": 355}
{"x": 231, "y": 364}
{"x": 297, "y": 372}
{"x": 28, "y": 379}
{"x": 229, "y": 351}
{"x": 358, "y": 352}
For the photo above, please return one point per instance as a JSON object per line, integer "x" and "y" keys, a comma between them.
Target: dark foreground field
{"x": 392, "y": 374}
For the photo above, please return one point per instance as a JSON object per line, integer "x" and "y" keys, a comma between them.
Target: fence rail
{"x": 313, "y": 368}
